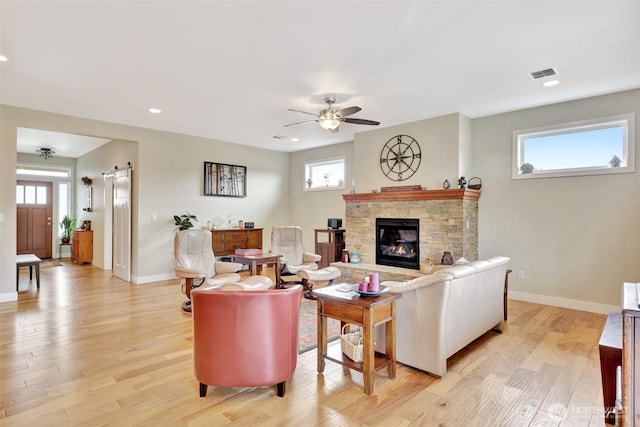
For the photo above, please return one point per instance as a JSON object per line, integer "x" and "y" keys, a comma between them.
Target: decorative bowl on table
{"x": 382, "y": 290}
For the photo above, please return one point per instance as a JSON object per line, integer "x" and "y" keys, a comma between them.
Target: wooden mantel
{"x": 399, "y": 196}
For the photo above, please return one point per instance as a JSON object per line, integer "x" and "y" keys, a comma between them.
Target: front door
{"x": 34, "y": 203}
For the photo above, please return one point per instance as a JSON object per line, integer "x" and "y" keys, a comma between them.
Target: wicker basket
{"x": 351, "y": 342}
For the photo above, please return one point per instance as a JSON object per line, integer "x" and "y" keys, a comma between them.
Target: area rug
{"x": 307, "y": 328}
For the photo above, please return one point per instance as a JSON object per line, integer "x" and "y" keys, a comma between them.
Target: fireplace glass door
{"x": 397, "y": 242}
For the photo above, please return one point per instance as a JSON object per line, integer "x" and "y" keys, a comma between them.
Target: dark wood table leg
{"x": 38, "y": 274}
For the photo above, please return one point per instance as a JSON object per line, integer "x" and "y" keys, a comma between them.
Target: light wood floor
{"x": 88, "y": 349}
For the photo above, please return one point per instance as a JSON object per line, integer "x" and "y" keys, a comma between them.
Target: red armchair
{"x": 245, "y": 338}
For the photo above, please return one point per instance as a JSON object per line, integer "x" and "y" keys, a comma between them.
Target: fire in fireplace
{"x": 397, "y": 242}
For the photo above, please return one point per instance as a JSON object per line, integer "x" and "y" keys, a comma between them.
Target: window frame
{"x": 318, "y": 163}
{"x": 626, "y": 121}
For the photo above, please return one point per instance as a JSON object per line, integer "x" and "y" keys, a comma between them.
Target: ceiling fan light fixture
{"x": 45, "y": 153}
{"x": 329, "y": 123}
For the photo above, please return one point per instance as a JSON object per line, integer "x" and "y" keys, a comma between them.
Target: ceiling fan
{"x": 330, "y": 118}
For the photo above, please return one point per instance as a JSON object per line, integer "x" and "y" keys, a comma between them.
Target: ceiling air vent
{"x": 543, "y": 73}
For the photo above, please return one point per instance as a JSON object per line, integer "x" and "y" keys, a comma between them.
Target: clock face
{"x": 400, "y": 157}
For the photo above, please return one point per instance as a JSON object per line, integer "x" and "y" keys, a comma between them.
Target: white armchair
{"x": 195, "y": 262}
{"x": 287, "y": 241}
{"x": 296, "y": 262}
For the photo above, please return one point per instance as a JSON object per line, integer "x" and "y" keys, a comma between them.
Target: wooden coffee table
{"x": 27, "y": 260}
{"x": 368, "y": 312}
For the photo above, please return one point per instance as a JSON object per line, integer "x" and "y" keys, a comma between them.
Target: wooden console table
{"x": 225, "y": 242}
{"x": 367, "y": 312}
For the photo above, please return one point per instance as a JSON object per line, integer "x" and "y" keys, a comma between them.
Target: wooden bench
{"x": 27, "y": 260}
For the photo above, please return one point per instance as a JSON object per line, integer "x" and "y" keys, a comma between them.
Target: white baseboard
{"x": 564, "y": 302}
{"x": 153, "y": 278}
{"x": 9, "y": 296}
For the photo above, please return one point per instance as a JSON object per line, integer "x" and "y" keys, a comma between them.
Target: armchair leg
{"x": 281, "y": 388}
{"x": 203, "y": 390}
{"x": 308, "y": 287}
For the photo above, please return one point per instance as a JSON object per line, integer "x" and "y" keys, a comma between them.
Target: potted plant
{"x": 183, "y": 222}
{"x": 67, "y": 224}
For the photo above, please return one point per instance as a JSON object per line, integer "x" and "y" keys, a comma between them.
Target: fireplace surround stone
{"x": 448, "y": 221}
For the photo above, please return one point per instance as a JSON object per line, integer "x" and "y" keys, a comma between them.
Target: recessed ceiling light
{"x": 295, "y": 139}
{"x": 3, "y": 58}
{"x": 155, "y": 110}
{"x": 550, "y": 83}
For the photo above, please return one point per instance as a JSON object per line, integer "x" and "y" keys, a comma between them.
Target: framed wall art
{"x": 225, "y": 180}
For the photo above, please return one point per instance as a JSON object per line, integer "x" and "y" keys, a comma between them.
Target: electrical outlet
{"x": 521, "y": 274}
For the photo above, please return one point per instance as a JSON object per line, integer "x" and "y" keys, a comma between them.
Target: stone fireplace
{"x": 448, "y": 221}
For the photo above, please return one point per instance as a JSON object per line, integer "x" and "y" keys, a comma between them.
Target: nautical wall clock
{"x": 400, "y": 157}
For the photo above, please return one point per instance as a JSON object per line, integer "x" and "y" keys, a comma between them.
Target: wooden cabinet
{"x": 82, "y": 246}
{"x": 631, "y": 354}
{"x": 329, "y": 244}
{"x": 225, "y": 242}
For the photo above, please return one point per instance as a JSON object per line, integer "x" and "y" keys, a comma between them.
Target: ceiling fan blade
{"x": 303, "y": 112}
{"x": 360, "y": 122}
{"x": 349, "y": 111}
{"x": 300, "y": 123}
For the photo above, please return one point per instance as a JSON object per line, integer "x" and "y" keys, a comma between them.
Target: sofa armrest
{"x": 418, "y": 282}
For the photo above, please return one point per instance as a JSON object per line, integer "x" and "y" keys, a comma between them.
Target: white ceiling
{"x": 230, "y": 70}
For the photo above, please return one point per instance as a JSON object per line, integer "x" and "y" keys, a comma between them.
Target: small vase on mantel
{"x": 447, "y": 258}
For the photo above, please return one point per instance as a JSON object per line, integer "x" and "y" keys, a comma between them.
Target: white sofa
{"x": 441, "y": 313}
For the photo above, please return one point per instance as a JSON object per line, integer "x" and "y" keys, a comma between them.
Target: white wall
{"x": 575, "y": 238}
{"x": 169, "y": 177}
{"x": 310, "y": 209}
{"x": 440, "y": 144}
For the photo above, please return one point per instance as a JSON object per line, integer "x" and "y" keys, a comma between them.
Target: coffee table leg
{"x": 369, "y": 352}
{"x": 38, "y": 274}
{"x": 322, "y": 337}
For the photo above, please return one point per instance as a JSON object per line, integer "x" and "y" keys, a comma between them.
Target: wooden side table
{"x": 255, "y": 263}
{"x": 367, "y": 312}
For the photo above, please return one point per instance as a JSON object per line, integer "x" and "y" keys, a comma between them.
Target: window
{"x": 601, "y": 146}
{"x": 64, "y": 203}
{"x": 31, "y": 195}
{"x": 325, "y": 174}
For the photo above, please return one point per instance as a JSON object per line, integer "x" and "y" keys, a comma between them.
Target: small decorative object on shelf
{"x": 462, "y": 182}
{"x": 475, "y": 183}
{"x": 447, "y": 258}
{"x": 446, "y": 185}
{"x": 345, "y": 255}
{"x": 426, "y": 267}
